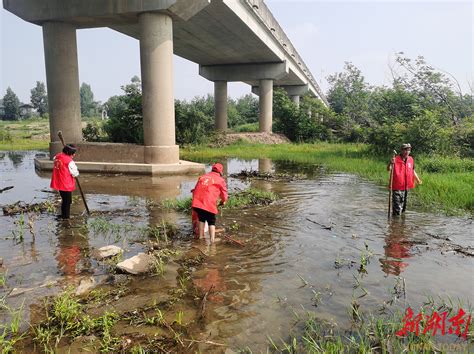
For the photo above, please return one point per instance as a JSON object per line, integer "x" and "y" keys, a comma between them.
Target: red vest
{"x": 62, "y": 180}
{"x": 403, "y": 174}
{"x": 209, "y": 188}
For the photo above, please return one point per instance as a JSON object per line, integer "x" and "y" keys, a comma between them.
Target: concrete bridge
{"x": 231, "y": 40}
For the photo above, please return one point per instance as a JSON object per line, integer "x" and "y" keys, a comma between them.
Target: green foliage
{"x": 244, "y": 110}
{"x": 422, "y": 107}
{"x": 11, "y": 104}
{"x": 5, "y": 136}
{"x": 241, "y": 199}
{"x": 94, "y": 132}
{"x": 65, "y": 317}
{"x": 194, "y": 120}
{"x": 349, "y": 95}
{"x": 246, "y": 128}
{"x": 88, "y": 105}
{"x": 125, "y": 123}
{"x": 39, "y": 98}
{"x": 311, "y": 122}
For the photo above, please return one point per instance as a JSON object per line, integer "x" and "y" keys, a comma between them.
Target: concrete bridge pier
{"x": 156, "y": 58}
{"x": 220, "y": 103}
{"x": 261, "y": 74}
{"x": 62, "y": 79}
{"x": 296, "y": 100}
{"x": 265, "y": 106}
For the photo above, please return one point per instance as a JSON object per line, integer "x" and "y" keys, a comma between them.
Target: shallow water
{"x": 290, "y": 254}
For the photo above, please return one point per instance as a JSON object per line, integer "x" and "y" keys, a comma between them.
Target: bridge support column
{"x": 265, "y": 105}
{"x": 62, "y": 78}
{"x": 156, "y": 58}
{"x": 296, "y": 100}
{"x": 220, "y": 102}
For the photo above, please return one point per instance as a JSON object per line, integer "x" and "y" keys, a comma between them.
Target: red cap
{"x": 218, "y": 168}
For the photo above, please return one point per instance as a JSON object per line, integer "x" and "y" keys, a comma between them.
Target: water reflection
{"x": 72, "y": 249}
{"x": 397, "y": 248}
{"x": 16, "y": 158}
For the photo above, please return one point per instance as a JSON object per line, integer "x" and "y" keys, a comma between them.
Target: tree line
{"x": 422, "y": 105}
{"x": 11, "y": 105}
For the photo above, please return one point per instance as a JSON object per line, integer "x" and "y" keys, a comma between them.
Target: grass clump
{"x": 177, "y": 204}
{"x": 10, "y": 332}
{"x": 370, "y": 334}
{"x": 246, "y": 128}
{"x": 249, "y": 197}
{"x": 65, "y": 318}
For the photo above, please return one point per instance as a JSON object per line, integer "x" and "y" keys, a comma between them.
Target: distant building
{"x": 26, "y": 110}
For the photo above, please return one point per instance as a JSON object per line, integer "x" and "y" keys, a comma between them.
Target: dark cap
{"x": 70, "y": 149}
{"x": 405, "y": 146}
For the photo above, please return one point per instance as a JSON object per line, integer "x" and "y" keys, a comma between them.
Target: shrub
{"x": 93, "y": 132}
{"x": 246, "y": 128}
{"x": 5, "y": 136}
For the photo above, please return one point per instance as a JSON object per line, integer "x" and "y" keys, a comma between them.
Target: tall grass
{"x": 447, "y": 183}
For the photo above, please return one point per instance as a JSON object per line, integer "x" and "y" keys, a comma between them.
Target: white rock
{"x": 107, "y": 251}
{"x": 141, "y": 263}
{"x": 85, "y": 285}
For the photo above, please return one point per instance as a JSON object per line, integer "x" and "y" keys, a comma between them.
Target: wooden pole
{"x": 390, "y": 183}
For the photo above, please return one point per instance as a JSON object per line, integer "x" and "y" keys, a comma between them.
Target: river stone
{"x": 107, "y": 251}
{"x": 141, "y": 263}
{"x": 85, "y": 285}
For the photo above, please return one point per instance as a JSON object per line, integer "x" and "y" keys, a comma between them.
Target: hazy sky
{"x": 325, "y": 33}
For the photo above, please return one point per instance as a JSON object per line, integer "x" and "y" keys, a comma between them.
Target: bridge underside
{"x": 231, "y": 40}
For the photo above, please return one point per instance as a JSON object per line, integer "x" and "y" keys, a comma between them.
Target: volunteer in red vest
{"x": 64, "y": 171}
{"x": 404, "y": 178}
{"x": 209, "y": 188}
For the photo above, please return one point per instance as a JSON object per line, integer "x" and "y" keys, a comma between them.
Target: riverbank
{"x": 447, "y": 182}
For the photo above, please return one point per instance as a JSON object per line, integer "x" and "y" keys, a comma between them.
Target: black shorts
{"x": 204, "y": 216}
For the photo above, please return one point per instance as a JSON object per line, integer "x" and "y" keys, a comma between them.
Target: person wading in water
{"x": 64, "y": 172}
{"x": 209, "y": 188}
{"x": 403, "y": 178}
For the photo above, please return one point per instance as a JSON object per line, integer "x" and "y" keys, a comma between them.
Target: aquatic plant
{"x": 240, "y": 199}
{"x": 10, "y": 332}
{"x": 65, "y": 316}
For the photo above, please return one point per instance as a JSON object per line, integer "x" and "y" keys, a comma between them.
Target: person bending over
{"x": 209, "y": 188}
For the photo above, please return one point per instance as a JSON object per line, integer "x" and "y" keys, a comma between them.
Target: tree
{"x": 39, "y": 98}
{"x": 88, "y": 106}
{"x": 435, "y": 89}
{"x": 125, "y": 124}
{"x": 349, "y": 95}
{"x": 11, "y": 104}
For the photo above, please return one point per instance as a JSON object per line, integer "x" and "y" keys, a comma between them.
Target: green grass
{"x": 450, "y": 188}
{"x": 246, "y": 128}
{"x": 65, "y": 317}
{"x": 28, "y": 134}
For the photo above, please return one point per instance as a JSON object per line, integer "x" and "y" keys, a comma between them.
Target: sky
{"x": 325, "y": 33}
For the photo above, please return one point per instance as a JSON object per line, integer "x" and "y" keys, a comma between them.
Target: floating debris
{"x": 22, "y": 207}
